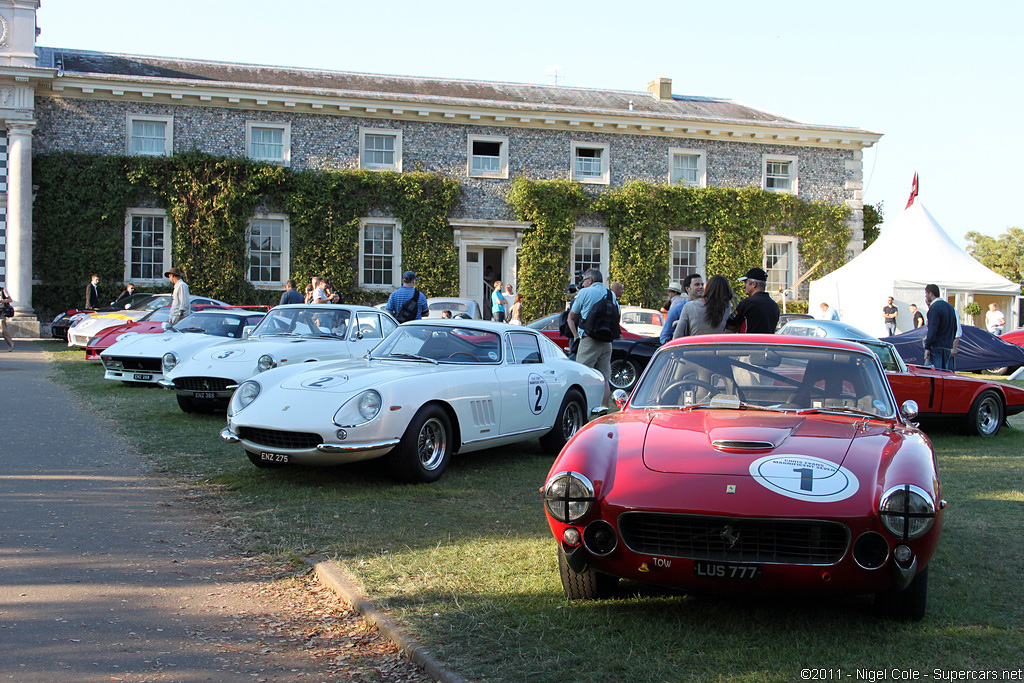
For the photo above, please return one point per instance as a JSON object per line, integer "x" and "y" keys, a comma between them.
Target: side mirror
{"x": 127, "y": 306}
{"x": 909, "y": 410}
{"x": 164, "y": 326}
{"x": 619, "y": 397}
{"x": 247, "y": 330}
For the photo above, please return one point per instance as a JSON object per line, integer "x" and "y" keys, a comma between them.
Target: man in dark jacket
{"x": 758, "y": 310}
{"x": 92, "y": 293}
{"x": 938, "y": 344}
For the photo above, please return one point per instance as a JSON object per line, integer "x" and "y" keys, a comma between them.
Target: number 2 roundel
{"x": 804, "y": 477}
{"x": 538, "y": 394}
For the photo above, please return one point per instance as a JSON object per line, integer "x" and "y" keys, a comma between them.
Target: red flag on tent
{"x": 913, "y": 191}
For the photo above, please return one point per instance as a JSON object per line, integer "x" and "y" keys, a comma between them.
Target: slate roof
{"x": 514, "y": 96}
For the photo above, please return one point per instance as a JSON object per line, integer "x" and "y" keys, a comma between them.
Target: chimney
{"x": 661, "y": 89}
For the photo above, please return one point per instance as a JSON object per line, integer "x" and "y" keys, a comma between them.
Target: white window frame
{"x": 702, "y": 166}
{"x": 794, "y": 175}
{"x": 605, "y": 255}
{"x": 365, "y": 163}
{"x": 168, "y": 122}
{"x": 396, "y": 258}
{"x": 794, "y": 260}
{"x": 702, "y": 253}
{"x": 605, "y": 177}
{"x": 286, "y": 231}
{"x": 166, "y": 258}
{"x": 286, "y": 141}
{"x": 502, "y": 156}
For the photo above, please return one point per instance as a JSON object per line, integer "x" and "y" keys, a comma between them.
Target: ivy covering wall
{"x": 82, "y": 200}
{"x": 639, "y": 217}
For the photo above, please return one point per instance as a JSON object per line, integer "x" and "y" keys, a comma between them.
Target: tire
{"x": 986, "y": 415}
{"x": 572, "y": 415}
{"x": 1004, "y": 370}
{"x": 908, "y": 604}
{"x": 625, "y": 373}
{"x": 425, "y": 449}
{"x": 585, "y": 585}
{"x": 263, "y": 464}
{"x": 186, "y": 404}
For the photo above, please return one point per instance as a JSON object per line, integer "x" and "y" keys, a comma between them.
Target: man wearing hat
{"x": 179, "y": 298}
{"x": 759, "y": 311}
{"x": 405, "y": 293}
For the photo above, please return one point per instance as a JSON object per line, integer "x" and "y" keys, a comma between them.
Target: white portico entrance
{"x": 487, "y": 252}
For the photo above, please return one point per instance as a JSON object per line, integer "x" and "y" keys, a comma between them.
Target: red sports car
{"x": 752, "y": 463}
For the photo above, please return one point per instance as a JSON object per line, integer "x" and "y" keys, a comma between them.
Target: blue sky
{"x": 940, "y": 80}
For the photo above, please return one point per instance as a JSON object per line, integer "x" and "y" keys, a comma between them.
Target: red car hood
{"x": 729, "y": 442}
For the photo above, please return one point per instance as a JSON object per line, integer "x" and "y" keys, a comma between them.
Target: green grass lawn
{"x": 468, "y": 564}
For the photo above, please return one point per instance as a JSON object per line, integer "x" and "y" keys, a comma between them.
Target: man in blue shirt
{"x": 592, "y": 353}
{"x": 291, "y": 295}
{"x": 693, "y": 288}
{"x": 403, "y": 294}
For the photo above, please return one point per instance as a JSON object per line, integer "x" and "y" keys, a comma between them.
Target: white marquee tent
{"x": 911, "y": 252}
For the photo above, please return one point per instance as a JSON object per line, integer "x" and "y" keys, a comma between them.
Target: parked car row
{"x": 738, "y": 463}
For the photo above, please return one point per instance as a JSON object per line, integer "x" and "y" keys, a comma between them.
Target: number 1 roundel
{"x": 804, "y": 477}
{"x": 537, "y": 396}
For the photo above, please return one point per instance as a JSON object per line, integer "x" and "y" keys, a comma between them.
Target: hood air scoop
{"x": 737, "y": 445}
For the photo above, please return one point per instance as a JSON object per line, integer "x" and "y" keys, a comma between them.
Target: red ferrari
{"x": 752, "y": 463}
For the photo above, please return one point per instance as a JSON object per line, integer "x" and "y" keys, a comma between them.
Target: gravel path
{"x": 110, "y": 573}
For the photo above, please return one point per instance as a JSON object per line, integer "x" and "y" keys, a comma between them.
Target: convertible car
{"x": 137, "y": 358}
{"x": 752, "y": 463}
{"x": 978, "y": 351}
{"x": 979, "y": 405}
{"x": 81, "y": 331}
{"x": 295, "y": 333}
{"x": 431, "y": 389}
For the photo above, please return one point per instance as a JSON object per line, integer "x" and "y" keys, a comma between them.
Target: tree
{"x": 1004, "y": 254}
{"x": 873, "y": 215}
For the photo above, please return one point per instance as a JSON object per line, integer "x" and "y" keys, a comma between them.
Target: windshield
{"x": 150, "y": 302}
{"x": 440, "y": 344}
{"x": 779, "y": 377}
{"x": 305, "y": 322}
{"x": 219, "y": 325}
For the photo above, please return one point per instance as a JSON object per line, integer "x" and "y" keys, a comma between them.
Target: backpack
{"x": 410, "y": 309}
{"x": 602, "y": 322}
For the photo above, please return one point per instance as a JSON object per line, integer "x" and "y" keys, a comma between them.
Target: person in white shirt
{"x": 180, "y": 298}
{"x": 995, "y": 321}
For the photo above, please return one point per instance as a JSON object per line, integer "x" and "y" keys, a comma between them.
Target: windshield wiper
{"x": 275, "y": 333}
{"x": 839, "y": 409}
{"x": 188, "y": 329}
{"x": 409, "y": 355}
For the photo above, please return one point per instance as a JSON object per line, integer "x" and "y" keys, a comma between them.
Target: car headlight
{"x": 77, "y": 319}
{"x": 60, "y": 316}
{"x": 266, "y": 362}
{"x": 907, "y": 512}
{"x": 111, "y": 364}
{"x": 568, "y": 497}
{"x": 169, "y": 360}
{"x": 359, "y": 409}
{"x": 243, "y": 396}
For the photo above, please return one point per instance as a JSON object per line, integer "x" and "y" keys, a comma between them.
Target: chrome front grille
{"x": 133, "y": 364}
{"x": 202, "y": 383}
{"x": 274, "y": 438}
{"x": 732, "y": 539}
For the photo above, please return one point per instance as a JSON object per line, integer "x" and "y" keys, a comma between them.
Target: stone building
{"x": 483, "y": 134}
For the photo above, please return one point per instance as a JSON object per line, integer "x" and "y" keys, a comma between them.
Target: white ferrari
{"x": 136, "y": 358}
{"x": 287, "y": 335}
{"x": 432, "y": 388}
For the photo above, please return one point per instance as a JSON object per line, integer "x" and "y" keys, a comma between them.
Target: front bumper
{"x": 321, "y": 454}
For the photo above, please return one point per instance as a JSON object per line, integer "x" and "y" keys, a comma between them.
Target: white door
{"x": 473, "y": 286}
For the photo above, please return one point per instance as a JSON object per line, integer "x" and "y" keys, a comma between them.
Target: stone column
{"x": 19, "y": 218}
